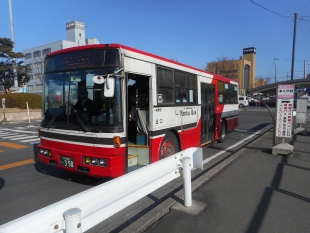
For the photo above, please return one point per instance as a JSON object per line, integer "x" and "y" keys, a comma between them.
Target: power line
{"x": 284, "y": 16}
{"x": 270, "y": 10}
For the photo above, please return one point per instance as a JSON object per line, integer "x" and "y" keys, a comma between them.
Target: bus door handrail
{"x": 144, "y": 125}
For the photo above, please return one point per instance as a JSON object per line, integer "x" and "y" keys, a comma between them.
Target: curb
{"x": 164, "y": 208}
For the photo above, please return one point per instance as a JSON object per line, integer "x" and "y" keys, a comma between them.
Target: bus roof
{"x": 120, "y": 46}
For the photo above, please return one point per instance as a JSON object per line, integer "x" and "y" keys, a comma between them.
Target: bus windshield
{"x": 72, "y": 101}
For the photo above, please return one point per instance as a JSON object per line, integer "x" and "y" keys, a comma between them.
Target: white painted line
{"x": 7, "y": 134}
{"x": 25, "y": 137}
{"x": 19, "y": 131}
{"x": 30, "y": 140}
{"x": 228, "y": 148}
{"x": 19, "y": 135}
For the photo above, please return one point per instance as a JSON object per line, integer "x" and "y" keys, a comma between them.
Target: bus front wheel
{"x": 169, "y": 145}
{"x": 222, "y": 132}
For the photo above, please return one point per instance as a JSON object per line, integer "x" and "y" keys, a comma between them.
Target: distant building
{"x": 242, "y": 70}
{"x": 34, "y": 57}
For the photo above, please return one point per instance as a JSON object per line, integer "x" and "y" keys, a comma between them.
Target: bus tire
{"x": 169, "y": 145}
{"x": 222, "y": 132}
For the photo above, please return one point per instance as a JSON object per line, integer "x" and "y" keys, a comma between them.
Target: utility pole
{"x": 12, "y": 38}
{"x": 275, "y": 70}
{"x": 305, "y": 76}
{"x": 293, "y": 55}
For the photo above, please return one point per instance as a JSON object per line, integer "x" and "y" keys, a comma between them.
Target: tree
{"x": 38, "y": 69}
{"x": 223, "y": 66}
{"x": 262, "y": 81}
{"x": 8, "y": 59}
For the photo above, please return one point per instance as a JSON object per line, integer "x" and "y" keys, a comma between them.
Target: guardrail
{"x": 83, "y": 211}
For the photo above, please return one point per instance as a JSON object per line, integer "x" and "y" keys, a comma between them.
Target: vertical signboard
{"x": 285, "y": 104}
{"x": 301, "y": 111}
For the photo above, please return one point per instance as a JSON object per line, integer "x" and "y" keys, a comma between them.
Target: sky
{"x": 193, "y": 32}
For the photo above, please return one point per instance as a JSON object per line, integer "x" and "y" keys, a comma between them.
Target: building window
{"x": 28, "y": 55}
{"x": 246, "y": 77}
{"x": 46, "y": 51}
{"x": 37, "y": 53}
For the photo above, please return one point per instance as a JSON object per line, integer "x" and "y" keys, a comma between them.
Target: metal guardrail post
{"x": 73, "y": 220}
{"x": 186, "y": 163}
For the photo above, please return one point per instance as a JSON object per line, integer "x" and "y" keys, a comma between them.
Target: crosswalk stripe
{"x": 30, "y": 140}
{"x": 18, "y": 135}
{"x": 24, "y": 137}
{"x": 18, "y": 131}
{"x": 7, "y": 134}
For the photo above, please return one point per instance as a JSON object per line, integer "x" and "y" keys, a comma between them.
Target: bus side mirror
{"x": 109, "y": 86}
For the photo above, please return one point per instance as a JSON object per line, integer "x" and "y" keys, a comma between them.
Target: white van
{"x": 243, "y": 101}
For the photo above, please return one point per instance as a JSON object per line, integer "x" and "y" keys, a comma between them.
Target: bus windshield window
{"x": 71, "y": 100}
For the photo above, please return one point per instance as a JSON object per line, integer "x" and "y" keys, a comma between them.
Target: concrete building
{"x": 34, "y": 57}
{"x": 242, "y": 70}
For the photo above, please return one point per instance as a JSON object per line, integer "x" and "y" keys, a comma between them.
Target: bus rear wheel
{"x": 222, "y": 132}
{"x": 169, "y": 145}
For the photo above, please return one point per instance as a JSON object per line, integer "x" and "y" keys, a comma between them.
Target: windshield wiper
{"x": 79, "y": 120}
{"x": 53, "y": 119}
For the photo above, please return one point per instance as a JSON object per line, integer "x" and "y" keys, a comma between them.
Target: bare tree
{"x": 223, "y": 66}
{"x": 38, "y": 69}
{"x": 260, "y": 81}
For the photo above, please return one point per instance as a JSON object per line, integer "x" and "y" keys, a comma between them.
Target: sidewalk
{"x": 258, "y": 192}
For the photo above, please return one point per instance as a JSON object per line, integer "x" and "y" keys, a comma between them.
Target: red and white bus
{"x": 175, "y": 107}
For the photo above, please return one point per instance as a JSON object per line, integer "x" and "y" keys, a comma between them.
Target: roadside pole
{"x": 29, "y": 124}
{"x": 4, "y": 121}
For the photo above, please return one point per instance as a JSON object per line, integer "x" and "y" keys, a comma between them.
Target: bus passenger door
{"x": 138, "y": 121}
{"x": 207, "y": 113}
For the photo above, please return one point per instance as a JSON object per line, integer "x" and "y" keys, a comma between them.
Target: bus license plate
{"x": 66, "y": 161}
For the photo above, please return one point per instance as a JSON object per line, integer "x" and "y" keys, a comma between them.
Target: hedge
{"x": 18, "y": 100}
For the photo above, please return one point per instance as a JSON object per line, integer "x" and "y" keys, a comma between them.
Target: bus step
{"x": 132, "y": 160}
{"x": 142, "y": 153}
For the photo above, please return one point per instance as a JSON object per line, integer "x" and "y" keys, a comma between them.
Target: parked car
{"x": 243, "y": 101}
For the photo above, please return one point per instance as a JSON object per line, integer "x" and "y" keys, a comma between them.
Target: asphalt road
{"x": 26, "y": 186}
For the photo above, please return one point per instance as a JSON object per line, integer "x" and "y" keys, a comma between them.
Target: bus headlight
{"x": 103, "y": 162}
{"x": 94, "y": 161}
{"x": 45, "y": 152}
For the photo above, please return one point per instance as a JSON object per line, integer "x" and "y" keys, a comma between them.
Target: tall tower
{"x": 76, "y": 32}
{"x": 250, "y": 55}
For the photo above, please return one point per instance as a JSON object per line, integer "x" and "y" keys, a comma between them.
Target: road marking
{"x": 229, "y": 148}
{"x": 19, "y": 131}
{"x": 12, "y": 145}
{"x": 15, "y": 136}
{"x": 30, "y": 140}
{"x": 25, "y": 138}
{"x": 17, "y": 164}
{"x": 3, "y": 134}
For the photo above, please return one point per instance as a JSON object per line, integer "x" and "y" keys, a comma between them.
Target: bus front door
{"x": 207, "y": 113}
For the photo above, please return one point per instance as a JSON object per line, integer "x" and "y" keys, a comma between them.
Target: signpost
{"x": 284, "y": 121}
{"x": 301, "y": 111}
{"x": 285, "y": 105}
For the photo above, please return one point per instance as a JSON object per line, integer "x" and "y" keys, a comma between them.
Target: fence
{"x": 82, "y": 211}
